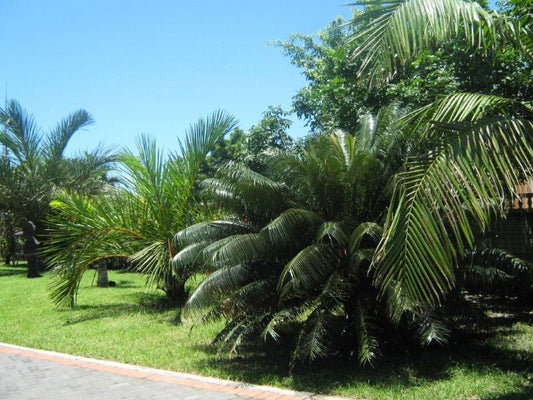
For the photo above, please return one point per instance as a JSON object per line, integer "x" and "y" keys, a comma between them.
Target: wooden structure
{"x": 515, "y": 233}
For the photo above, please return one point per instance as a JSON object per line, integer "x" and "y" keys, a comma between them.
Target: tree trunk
{"x": 103, "y": 277}
{"x": 176, "y": 292}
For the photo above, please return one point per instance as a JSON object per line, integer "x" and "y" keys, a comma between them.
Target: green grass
{"x": 490, "y": 358}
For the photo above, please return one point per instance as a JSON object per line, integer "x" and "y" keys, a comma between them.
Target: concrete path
{"x": 35, "y": 374}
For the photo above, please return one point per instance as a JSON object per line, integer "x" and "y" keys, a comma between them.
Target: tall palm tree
{"x": 137, "y": 220}
{"x": 303, "y": 262}
{"x": 34, "y": 165}
{"x": 478, "y": 146}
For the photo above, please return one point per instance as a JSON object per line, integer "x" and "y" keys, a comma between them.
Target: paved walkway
{"x": 35, "y": 374}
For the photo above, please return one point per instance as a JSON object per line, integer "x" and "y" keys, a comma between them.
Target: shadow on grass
{"x": 123, "y": 284}
{"x": 9, "y": 270}
{"x": 475, "y": 348}
{"x": 525, "y": 394}
{"x": 143, "y": 303}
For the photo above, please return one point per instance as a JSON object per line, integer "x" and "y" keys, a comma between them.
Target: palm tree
{"x": 303, "y": 261}
{"x": 138, "y": 220}
{"x": 478, "y": 146}
{"x": 34, "y": 165}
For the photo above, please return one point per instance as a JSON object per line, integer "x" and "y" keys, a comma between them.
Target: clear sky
{"x": 141, "y": 66}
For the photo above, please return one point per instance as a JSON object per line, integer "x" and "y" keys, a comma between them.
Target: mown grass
{"x": 491, "y": 357}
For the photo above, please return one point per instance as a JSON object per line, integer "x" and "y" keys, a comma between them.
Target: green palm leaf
{"x": 60, "y": 136}
{"x": 222, "y": 282}
{"x": 396, "y": 31}
{"x": 290, "y": 227}
{"x": 308, "y": 269}
{"x": 333, "y": 233}
{"x": 367, "y": 345}
{"x": 242, "y": 249}
{"x": 431, "y": 327}
{"x": 213, "y": 230}
{"x": 311, "y": 343}
{"x": 371, "y": 229}
{"x": 240, "y": 189}
{"x": 22, "y": 136}
{"x": 188, "y": 257}
{"x": 440, "y": 196}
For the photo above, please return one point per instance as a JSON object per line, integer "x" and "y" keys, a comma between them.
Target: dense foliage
{"x": 138, "y": 219}
{"x": 315, "y": 266}
{"x": 249, "y": 148}
{"x": 423, "y": 126}
{"x": 33, "y": 167}
{"x": 336, "y": 94}
{"x": 293, "y": 255}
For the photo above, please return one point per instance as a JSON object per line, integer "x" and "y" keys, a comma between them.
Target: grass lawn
{"x": 490, "y": 358}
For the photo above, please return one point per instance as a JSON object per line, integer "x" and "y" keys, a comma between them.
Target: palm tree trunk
{"x": 176, "y": 292}
{"x": 103, "y": 277}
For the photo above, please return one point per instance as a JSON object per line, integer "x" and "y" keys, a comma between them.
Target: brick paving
{"x": 29, "y": 374}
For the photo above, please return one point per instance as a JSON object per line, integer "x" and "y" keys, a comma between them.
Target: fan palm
{"x": 477, "y": 146}
{"x": 138, "y": 220}
{"x": 34, "y": 165}
{"x": 304, "y": 260}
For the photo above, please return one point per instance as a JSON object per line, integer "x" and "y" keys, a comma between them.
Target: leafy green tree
{"x": 250, "y": 148}
{"x": 139, "y": 219}
{"x": 336, "y": 95}
{"x": 268, "y": 134}
{"x": 34, "y": 166}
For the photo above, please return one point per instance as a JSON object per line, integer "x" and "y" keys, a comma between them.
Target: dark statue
{"x": 30, "y": 247}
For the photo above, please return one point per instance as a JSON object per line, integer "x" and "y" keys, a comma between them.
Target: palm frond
{"x": 82, "y": 231}
{"x": 259, "y": 296}
{"x": 431, "y": 327}
{"x": 370, "y": 229}
{"x": 308, "y": 269}
{"x": 311, "y": 342}
{"x": 498, "y": 258}
{"x": 87, "y": 173}
{"x": 290, "y": 226}
{"x": 239, "y": 331}
{"x": 396, "y": 31}
{"x": 524, "y": 27}
{"x": 460, "y": 107}
{"x": 441, "y": 195}
{"x": 242, "y": 248}
{"x": 278, "y": 318}
{"x": 333, "y": 233}
{"x": 209, "y": 251}
{"x": 221, "y": 282}
{"x": 200, "y": 139}
{"x": 242, "y": 190}
{"x": 495, "y": 268}
{"x": 21, "y": 135}
{"x": 212, "y": 230}
{"x": 367, "y": 345}
{"x": 485, "y": 277}
{"x": 188, "y": 257}
{"x": 60, "y": 136}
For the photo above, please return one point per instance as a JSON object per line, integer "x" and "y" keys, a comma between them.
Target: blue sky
{"x": 152, "y": 66}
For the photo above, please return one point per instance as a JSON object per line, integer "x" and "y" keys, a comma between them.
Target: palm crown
{"x": 138, "y": 220}
{"x": 304, "y": 259}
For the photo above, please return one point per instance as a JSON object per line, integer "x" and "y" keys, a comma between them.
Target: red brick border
{"x": 174, "y": 378}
